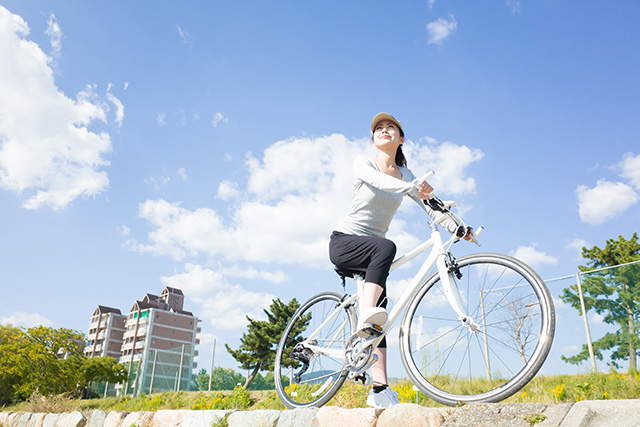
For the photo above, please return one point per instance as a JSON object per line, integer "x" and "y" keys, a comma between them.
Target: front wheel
{"x": 309, "y": 366}
{"x": 493, "y": 353}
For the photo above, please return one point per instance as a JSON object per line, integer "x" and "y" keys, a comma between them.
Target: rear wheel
{"x": 309, "y": 370}
{"x": 496, "y": 352}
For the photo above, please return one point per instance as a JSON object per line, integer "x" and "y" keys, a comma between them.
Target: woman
{"x": 359, "y": 242}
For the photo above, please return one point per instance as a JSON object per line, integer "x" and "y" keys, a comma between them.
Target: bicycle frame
{"x": 435, "y": 257}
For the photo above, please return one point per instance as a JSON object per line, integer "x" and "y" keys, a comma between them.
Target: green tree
{"x": 101, "y": 369}
{"x": 202, "y": 380}
{"x": 225, "y": 379}
{"x": 613, "y": 293}
{"x": 49, "y": 360}
{"x": 258, "y": 345}
{"x": 9, "y": 374}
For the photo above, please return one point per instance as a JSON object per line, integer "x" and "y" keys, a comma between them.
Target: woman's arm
{"x": 367, "y": 172}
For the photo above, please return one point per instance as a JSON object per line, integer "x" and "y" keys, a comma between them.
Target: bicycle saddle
{"x": 348, "y": 272}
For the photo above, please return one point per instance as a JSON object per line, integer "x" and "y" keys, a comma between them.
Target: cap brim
{"x": 384, "y": 116}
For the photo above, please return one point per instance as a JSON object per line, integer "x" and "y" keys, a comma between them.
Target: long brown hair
{"x": 401, "y": 160}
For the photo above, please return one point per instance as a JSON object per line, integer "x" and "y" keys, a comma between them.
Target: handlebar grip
{"x": 426, "y": 176}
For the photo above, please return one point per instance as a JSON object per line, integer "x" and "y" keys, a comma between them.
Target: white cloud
{"x": 295, "y": 196}
{"x": 605, "y": 201}
{"x": 45, "y": 144}
{"x": 124, "y": 230}
{"x": 630, "y": 169}
{"x": 26, "y": 320}
{"x": 224, "y": 305}
{"x": 448, "y": 160}
{"x": 441, "y": 29}
{"x": 569, "y": 349}
{"x": 55, "y": 35}
{"x": 161, "y": 119}
{"x": 515, "y": 6}
{"x": 184, "y": 36}
{"x": 219, "y": 118}
{"x": 252, "y": 273}
{"x": 576, "y": 244}
{"x": 119, "y": 108}
{"x": 575, "y": 247}
{"x": 182, "y": 173}
{"x": 532, "y": 257}
{"x": 430, "y": 3}
{"x": 228, "y": 190}
{"x": 597, "y": 319}
{"x": 157, "y": 183}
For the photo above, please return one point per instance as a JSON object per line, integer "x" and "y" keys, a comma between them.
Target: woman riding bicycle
{"x": 359, "y": 243}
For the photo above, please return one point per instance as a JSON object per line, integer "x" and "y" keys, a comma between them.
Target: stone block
{"x": 3, "y": 418}
{"x": 50, "y": 420}
{"x": 97, "y": 418}
{"x": 410, "y": 415}
{"x": 204, "y": 418}
{"x": 13, "y": 419}
{"x": 23, "y": 420}
{"x": 138, "y": 419}
{"x": 332, "y": 416}
{"x": 604, "y": 413}
{"x": 301, "y": 417}
{"x": 37, "y": 420}
{"x": 259, "y": 418}
{"x": 115, "y": 418}
{"x": 168, "y": 418}
{"x": 71, "y": 419}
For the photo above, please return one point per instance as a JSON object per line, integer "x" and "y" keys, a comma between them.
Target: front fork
{"x": 449, "y": 274}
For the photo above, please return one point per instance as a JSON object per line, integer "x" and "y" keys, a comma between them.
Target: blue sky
{"x": 208, "y": 145}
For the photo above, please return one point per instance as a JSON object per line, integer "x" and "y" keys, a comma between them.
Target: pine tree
{"x": 258, "y": 345}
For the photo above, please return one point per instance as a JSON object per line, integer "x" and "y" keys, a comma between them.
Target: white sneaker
{"x": 372, "y": 315}
{"x": 384, "y": 399}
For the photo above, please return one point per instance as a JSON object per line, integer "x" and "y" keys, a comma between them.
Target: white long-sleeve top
{"x": 376, "y": 199}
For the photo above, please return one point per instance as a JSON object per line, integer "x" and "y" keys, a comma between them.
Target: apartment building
{"x": 160, "y": 343}
{"x": 106, "y": 331}
{"x": 157, "y": 345}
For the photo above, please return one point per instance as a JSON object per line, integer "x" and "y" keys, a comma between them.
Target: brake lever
{"x": 436, "y": 204}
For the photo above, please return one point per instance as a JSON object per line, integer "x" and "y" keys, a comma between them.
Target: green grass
{"x": 555, "y": 389}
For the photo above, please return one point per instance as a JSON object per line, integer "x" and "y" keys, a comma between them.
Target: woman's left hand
{"x": 425, "y": 190}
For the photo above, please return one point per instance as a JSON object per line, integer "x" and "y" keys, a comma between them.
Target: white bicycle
{"x": 477, "y": 329}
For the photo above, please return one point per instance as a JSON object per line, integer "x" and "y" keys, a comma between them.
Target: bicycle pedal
{"x": 369, "y": 330}
{"x": 363, "y": 378}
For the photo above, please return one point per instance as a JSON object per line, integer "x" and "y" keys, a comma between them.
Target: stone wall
{"x": 405, "y": 415}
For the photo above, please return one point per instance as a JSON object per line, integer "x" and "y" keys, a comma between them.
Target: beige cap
{"x": 384, "y": 116}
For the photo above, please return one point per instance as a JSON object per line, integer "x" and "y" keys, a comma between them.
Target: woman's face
{"x": 386, "y": 135}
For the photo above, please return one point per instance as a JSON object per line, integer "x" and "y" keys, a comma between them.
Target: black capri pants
{"x": 373, "y": 255}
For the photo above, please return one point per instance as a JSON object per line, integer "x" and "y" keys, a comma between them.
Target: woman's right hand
{"x": 425, "y": 190}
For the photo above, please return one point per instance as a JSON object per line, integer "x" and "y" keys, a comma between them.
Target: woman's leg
{"x": 371, "y": 298}
{"x": 379, "y": 369}
{"x": 375, "y": 255}
{"x": 372, "y": 292}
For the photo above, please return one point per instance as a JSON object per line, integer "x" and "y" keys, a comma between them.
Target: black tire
{"x": 322, "y": 377}
{"x": 514, "y": 322}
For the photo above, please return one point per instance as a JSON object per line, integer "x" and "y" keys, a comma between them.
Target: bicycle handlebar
{"x": 444, "y": 207}
{"x": 418, "y": 181}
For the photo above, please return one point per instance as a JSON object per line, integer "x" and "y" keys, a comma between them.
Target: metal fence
{"x": 610, "y": 285}
{"x": 153, "y": 371}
